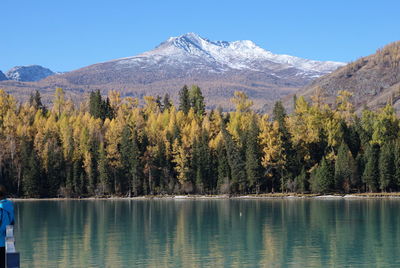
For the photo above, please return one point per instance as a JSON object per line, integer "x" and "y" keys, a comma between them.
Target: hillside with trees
{"x": 373, "y": 80}
{"x": 114, "y": 146}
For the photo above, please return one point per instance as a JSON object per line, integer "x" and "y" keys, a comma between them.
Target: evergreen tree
{"x": 396, "y": 179}
{"x": 98, "y": 107}
{"x": 96, "y": 104}
{"x": 103, "y": 171}
{"x": 35, "y": 100}
{"x": 78, "y": 177}
{"x": 202, "y": 165}
{"x": 197, "y": 101}
{"x": 167, "y": 103}
{"x": 130, "y": 159}
{"x": 351, "y": 138}
{"x": 253, "y": 157}
{"x": 159, "y": 103}
{"x": 235, "y": 161}
{"x": 184, "y": 100}
{"x": 223, "y": 170}
{"x": 322, "y": 178}
{"x": 371, "y": 170}
{"x": 30, "y": 170}
{"x": 344, "y": 168}
{"x": 386, "y": 167}
{"x": 108, "y": 111}
{"x": 301, "y": 181}
{"x": 55, "y": 175}
{"x": 359, "y": 167}
{"x": 279, "y": 114}
{"x": 69, "y": 179}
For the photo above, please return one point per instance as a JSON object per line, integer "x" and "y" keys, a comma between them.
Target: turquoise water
{"x": 209, "y": 233}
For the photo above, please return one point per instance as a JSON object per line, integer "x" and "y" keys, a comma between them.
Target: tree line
{"x": 117, "y": 146}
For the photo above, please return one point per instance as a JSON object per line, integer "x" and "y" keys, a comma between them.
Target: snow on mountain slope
{"x": 28, "y": 73}
{"x": 2, "y": 76}
{"x": 239, "y": 55}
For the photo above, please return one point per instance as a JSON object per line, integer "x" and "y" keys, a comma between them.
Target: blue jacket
{"x": 6, "y": 218}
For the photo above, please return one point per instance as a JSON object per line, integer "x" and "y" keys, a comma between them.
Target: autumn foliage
{"x": 119, "y": 146}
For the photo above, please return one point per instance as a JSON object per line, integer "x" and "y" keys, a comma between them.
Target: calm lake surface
{"x": 209, "y": 233}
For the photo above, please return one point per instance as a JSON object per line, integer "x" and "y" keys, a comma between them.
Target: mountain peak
{"x": 239, "y": 55}
{"x": 192, "y": 40}
{"x": 2, "y": 76}
{"x": 28, "y": 73}
{"x": 188, "y": 41}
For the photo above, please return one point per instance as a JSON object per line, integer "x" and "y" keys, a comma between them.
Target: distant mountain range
{"x": 28, "y": 73}
{"x": 374, "y": 80}
{"x": 218, "y": 67}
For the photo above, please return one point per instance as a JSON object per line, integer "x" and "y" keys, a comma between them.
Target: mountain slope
{"x": 373, "y": 80}
{"x": 28, "y": 73}
{"x": 2, "y": 76}
{"x": 219, "y": 68}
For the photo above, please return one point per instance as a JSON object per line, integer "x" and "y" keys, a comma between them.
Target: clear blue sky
{"x": 65, "y": 35}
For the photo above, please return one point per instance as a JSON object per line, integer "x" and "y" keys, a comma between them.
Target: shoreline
{"x": 275, "y": 196}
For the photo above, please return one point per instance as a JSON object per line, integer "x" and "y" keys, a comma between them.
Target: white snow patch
{"x": 239, "y": 55}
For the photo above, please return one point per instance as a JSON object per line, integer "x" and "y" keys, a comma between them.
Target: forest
{"x": 114, "y": 146}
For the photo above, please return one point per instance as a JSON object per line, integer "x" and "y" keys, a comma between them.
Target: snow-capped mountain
{"x": 222, "y": 56}
{"x": 218, "y": 67}
{"x": 28, "y": 73}
{"x": 2, "y": 76}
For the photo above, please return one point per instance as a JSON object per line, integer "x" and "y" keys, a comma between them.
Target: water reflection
{"x": 204, "y": 233}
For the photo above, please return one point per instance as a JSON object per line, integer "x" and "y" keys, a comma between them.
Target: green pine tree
{"x": 77, "y": 177}
{"x": 184, "y": 99}
{"x": 345, "y": 169}
{"x": 351, "y": 138}
{"x": 130, "y": 159}
{"x": 197, "y": 101}
{"x": 396, "y": 153}
{"x": 30, "y": 170}
{"x": 253, "y": 157}
{"x": 107, "y": 110}
{"x": 386, "y": 166}
{"x": 236, "y": 163}
{"x": 102, "y": 168}
{"x": 223, "y": 170}
{"x": 167, "y": 103}
{"x": 55, "y": 172}
{"x": 35, "y": 100}
{"x": 322, "y": 178}
{"x": 98, "y": 107}
{"x": 95, "y": 104}
{"x": 301, "y": 181}
{"x": 371, "y": 170}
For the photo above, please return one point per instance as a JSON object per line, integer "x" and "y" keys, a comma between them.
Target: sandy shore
{"x": 210, "y": 197}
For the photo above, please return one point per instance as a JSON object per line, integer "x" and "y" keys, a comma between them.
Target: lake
{"x": 209, "y": 233}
